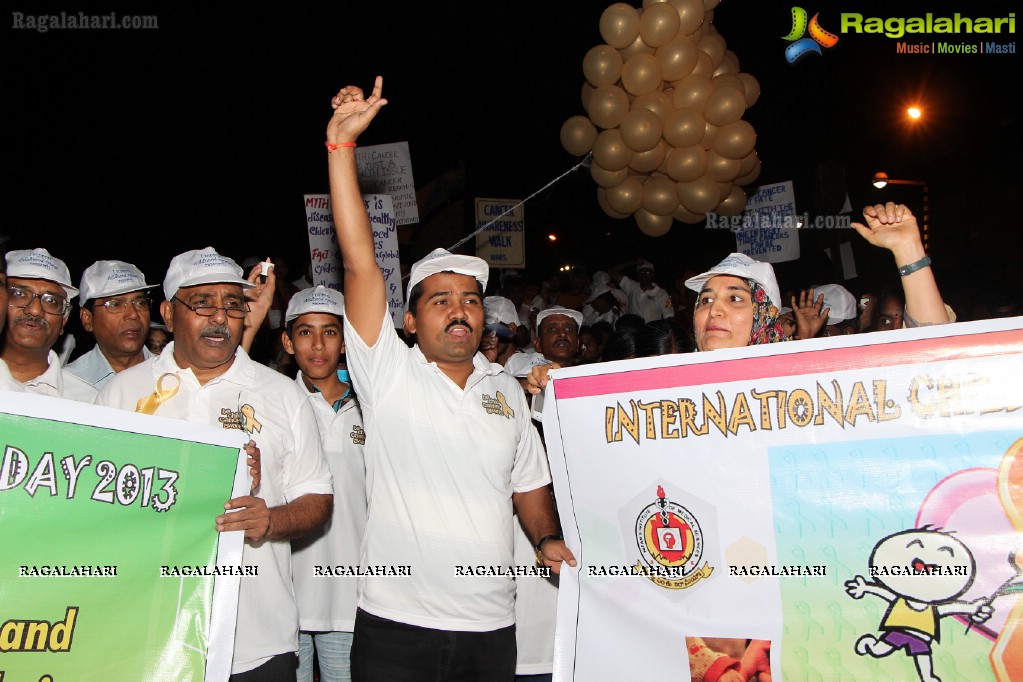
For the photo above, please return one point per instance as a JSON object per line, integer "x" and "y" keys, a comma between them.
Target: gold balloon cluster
{"x": 664, "y": 100}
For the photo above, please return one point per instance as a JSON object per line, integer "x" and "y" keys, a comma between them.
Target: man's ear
{"x": 536, "y": 345}
{"x": 286, "y": 342}
{"x": 85, "y": 315}
{"x": 409, "y": 323}
{"x": 167, "y": 313}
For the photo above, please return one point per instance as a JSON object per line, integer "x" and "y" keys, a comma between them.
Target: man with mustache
{"x": 39, "y": 295}
{"x": 450, "y": 453}
{"x": 115, "y": 304}
{"x": 204, "y": 376}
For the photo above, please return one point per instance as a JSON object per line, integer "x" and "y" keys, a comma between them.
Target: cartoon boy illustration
{"x": 920, "y": 573}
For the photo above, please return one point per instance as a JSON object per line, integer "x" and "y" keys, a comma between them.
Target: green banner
{"x": 110, "y": 553}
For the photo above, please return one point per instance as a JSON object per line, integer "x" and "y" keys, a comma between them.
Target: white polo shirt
{"x": 55, "y": 382}
{"x": 650, "y": 304}
{"x": 442, "y": 463}
{"x": 292, "y": 465}
{"x": 326, "y": 603}
{"x": 7, "y": 381}
{"x": 94, "y": 369}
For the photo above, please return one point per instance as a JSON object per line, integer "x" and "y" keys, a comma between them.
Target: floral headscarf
{"x": 766, "y": 328}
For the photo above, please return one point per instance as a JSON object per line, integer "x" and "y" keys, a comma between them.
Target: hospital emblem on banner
{"x": 670, "y": 544}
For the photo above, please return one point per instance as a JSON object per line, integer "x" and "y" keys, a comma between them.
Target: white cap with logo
{"x": 203, "y": 266}
{"x": 840, "y": 300}
{"x": 558, "y": 310}
{"x": 741, "y": 265}
{"x": 500, "y": 312}
{"x": 442, "y": 260}
{"x": 318, "y": 299}
{"x": 39, "y": 264}
{"x": 111, "y": 278}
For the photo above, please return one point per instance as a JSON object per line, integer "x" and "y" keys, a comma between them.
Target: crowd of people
{"x": 402, "y": 448}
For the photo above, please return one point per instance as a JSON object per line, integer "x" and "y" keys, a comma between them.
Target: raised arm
{"x": 894, "y": 227}
{"x": 365, "y": 294}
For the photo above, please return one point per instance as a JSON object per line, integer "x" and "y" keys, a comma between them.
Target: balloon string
{"x": 584, "y": 162}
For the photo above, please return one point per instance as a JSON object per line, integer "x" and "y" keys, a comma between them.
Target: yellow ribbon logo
{"x": 505, "y": 409}
{"x": 152, "y": 402}
{"x": 249, "y": 422}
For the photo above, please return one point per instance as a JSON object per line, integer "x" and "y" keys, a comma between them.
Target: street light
{"x": 882, "y": 179}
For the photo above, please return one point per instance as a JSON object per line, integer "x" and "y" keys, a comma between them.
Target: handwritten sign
{"x": 387, "y": 169}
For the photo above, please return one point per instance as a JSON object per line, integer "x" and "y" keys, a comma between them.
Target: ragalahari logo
{"x": 802, "y": 46}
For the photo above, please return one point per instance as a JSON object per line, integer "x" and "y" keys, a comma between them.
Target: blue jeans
{"x": 333, "y": 652}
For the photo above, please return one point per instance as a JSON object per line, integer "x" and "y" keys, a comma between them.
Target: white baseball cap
{"x": 840, "y": 300}
{"x": 318, "y": 299}
{"x": 500, "y": 311}
{"x": 519, "y": 364}
{"x": 442, "y": 260}
{"x": 39, "y": 264}
{"x": 598, "y": 291}
{"x": 111, "y": 278}
{"x": 741, "y": 265}
{"x": 558, "y": 310}
{"x": 204, "y": 266}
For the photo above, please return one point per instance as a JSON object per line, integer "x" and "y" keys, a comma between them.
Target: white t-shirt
{"x": 56, "y": 382}
{"x": 650, "y": 304}
{"x": 326, "y": 603}
{"x": 442, "y": 463}
{"x": 8, "y": 382}
{"x": 292, "y": 465}
{"x": 536, "y": 612}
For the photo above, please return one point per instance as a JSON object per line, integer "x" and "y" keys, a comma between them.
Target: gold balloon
{"x": 577, "y": 135}
{"x": 699, "y": 196}
{"x": 710, "y": 131}
{"x": 692, "y": 92}
{"x": 585, "y": 94}
{"x": 748, "y": 162}
{"x": 619, "y": 25}
{"x": 657, "y": 101}
{"x": 626, "y": 197}
{"x": 641, "y": 130}
{"x": 605, "y": 178}
{"x": 609, "y": 152}
{"x": 730, "y": 64}
{"x": 682, "y": 215}
{"x": 729, "y": 80}
{"x": 649, "y": 161}
{"x": 704, "y": 65}
{"x": 733, "y": 204}
{"x": 686, "y": 164}
{"x": 608, "y": 106}
{"x": 653, "y": 225}
{"x": 677, "y": 58}
{"x": 751, "y": 86}
{"x": 725, "y": 188}
{"x": 690, "y": 15}
{"x": 720, "y": 169}
{"x": 647, "y": 3}
{"x": 709, "y": 5}
{"x": 750, "y": 177}
{"x": 684, "y": 127}
{"x": 606, "y": 207}
{"x": 660, "y": 196}
{"x": 658, "y": 24}
{"x": 636, "y": 47}
{"x": 725, "y": 105}
{"x": 735, "y": 140}
{"x": 714, "y": 45}
{"x": 641, "y": 74}
{"x": 602, "y": 65}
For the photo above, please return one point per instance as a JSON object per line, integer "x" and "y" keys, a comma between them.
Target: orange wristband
{"x": 332, "y": 147}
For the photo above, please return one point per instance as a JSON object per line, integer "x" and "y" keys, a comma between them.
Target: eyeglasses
{"x": 235, "y": 309}
{"x": 50, "y": 303}
{"x": 116, "y": 306}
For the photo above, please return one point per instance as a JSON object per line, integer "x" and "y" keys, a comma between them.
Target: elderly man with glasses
{"x": 205, "y": 376}
{"x": 39, "y": 295}
{"x": 115, "y": 304}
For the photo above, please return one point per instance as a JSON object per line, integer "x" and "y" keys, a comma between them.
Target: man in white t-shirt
{"x": 325, "y": 562}
{"x": 450, "y": 453}
{"x": 115, "y": 304}
{"x": 204, "y": 376}
{"x": 646, "y": 298}
{"x": 39, "y": 295}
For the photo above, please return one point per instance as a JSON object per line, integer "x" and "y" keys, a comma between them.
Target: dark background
{"x": 141, "y": 144}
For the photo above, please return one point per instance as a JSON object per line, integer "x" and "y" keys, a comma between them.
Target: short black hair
{"x": 417, "y": 293}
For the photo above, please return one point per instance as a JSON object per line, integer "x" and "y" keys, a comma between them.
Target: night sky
{"x": 141, "y": 144}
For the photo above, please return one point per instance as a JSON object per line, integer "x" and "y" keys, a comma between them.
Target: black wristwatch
{"x": 539, "y": 546}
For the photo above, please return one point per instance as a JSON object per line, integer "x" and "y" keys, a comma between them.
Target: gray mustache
{"x": 217, "y": 331}
{"x": 41, "y": 321}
